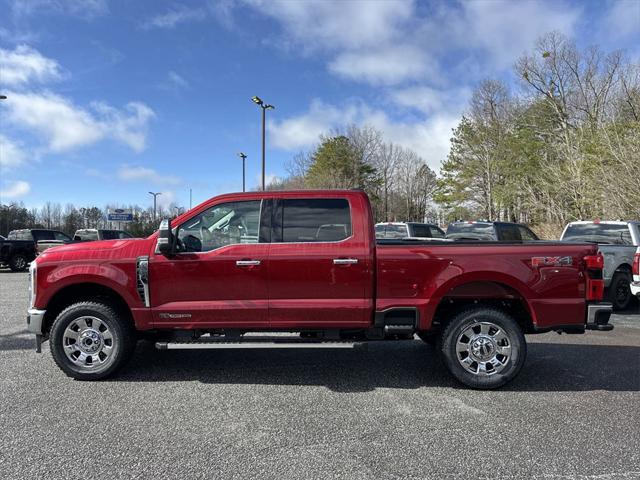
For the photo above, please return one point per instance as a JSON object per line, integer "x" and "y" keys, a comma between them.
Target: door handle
{"x": 345, "y": 261}
{"x": 247, "y": 263}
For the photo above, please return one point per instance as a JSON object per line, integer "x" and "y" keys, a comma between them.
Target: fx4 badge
{"x": 175, "y": 315}
{"x": 551, "y": 261}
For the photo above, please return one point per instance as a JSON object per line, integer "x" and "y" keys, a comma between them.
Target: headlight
{"x": 33, "y": 271}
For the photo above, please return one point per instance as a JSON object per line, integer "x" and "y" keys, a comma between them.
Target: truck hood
{"x": 99, "y": 251}
{"x": 94, "y": 245}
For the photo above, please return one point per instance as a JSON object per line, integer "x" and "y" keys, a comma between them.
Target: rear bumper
{"x": 598, "y": 315}
{"x": 635, "y": 289}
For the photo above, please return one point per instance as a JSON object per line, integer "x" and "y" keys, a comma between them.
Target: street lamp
{"x": 243, "y": 157}
{"x": 3, "y": 97}
{"x": 155, "y": 194}
{"x": 265, "y": 106}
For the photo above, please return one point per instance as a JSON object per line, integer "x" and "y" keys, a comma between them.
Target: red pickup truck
{"x": 304, "y": 270}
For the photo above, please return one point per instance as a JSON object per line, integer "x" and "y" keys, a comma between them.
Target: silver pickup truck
{"x": 618, "y": 242}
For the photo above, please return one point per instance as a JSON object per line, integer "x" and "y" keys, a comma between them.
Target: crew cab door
{"x": 217, "y": 277}
{"x": 320, "y": 264}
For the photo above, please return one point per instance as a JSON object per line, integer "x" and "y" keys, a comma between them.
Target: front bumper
{"x": 35, "y": 320}
{"x": 598, "y": 315}
{"x": 635, "y": 288}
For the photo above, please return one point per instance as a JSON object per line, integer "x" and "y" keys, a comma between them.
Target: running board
{"x": 209, "y": 345}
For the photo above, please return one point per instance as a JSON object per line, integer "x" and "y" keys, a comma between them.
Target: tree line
{"x": 564, "y": 147}
{"x": 70, "y": 218}
{"x": 399, "y": 182}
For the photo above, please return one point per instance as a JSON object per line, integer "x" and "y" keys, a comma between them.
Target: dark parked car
{"x": 490, "y": 232}
{"x": 42, "y": 237}
{"x": 16, "y": 254}
{"x": 92, "y": 234}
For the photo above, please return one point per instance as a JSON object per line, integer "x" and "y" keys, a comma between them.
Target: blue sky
{"x": 110, "y": 99}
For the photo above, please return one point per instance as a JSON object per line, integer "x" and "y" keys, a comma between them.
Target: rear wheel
{"x": 483, "y": 347}
{"x": 91, "y": 340}
{"x": 620, "y": 290}
{"x": 18, "y": 262}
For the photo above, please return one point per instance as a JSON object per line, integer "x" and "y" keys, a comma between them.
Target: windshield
{"x": 602, "y": 233}
{"x": 474, "y": 231}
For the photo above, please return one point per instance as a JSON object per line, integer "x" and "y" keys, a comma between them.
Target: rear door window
{"x": 315, "y": 220}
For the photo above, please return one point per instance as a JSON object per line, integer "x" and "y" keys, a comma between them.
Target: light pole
{"x": 243, "y": 157}
{"x": 155, "y": 194}
{"x": 265, "y": 106}
{"x": 3, "y": 97}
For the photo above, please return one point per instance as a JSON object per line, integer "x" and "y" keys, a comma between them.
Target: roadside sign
{"x": 120, "y": 215}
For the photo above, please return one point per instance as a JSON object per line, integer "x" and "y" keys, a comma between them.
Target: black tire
{"x": 619, "y": 292}
{"x": 123, "y": 340}
{"x": 509, "y": 334}
{"x": 428, "y": 338}
{"x": 18, "y": 262}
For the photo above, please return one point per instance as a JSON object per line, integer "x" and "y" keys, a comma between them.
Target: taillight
{"x": 595, "y": 282}
{"x": 636, "y": 264}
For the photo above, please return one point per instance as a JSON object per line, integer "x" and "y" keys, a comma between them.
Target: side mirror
{"x": 165, "y": 238}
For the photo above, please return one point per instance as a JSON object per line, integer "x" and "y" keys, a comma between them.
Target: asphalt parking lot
{"x": 389, "y": 412}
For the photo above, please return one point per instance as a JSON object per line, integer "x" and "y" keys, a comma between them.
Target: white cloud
{"x": 174, "y": 81}
{"x": 429, "y": 138}
{"x": 11, "y": 153}
{"x": 622, "y": 20}
{"x": 86, "y": 9}
{"x": 430, "y": 100}
{"x": 390, "y": 42}
{"x": 15, "y": 189}
{"x": 386, "y": 66}
{"x": 134, "y": 173}
{"x": 66, "y": 126}
{"x": 505, "y": 29}
{"x": 333, "y": 24}
{"x": 177, "y": 15}
{"x": 129, "y": 125}
{"x": 24, "y": 65}
{"x": 303, "y": 131}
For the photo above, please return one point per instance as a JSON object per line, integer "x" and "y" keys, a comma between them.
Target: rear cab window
{"x": 314, "y": 220}
{"x": 602, "y": 233}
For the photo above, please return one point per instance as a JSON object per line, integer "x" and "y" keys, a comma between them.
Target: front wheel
{"x": 91, "y": 340}
{"x": 483, "y": 347}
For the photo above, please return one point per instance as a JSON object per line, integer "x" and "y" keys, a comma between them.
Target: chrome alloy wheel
{"x": 483, "y": 349}
{"x": 88, "y": 343}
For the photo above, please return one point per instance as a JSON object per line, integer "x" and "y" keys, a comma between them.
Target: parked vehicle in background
{"x": 92, "y": 234}
{"x": 490, "y": 232}
{"x": 43, "y": 238}
{"x": 17, "y": 254}
{"x": 305, "y": 263}
{"x": 618, "y": 242}
{"x": 635, "y": 270}
{"x": 415, "y": 230}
